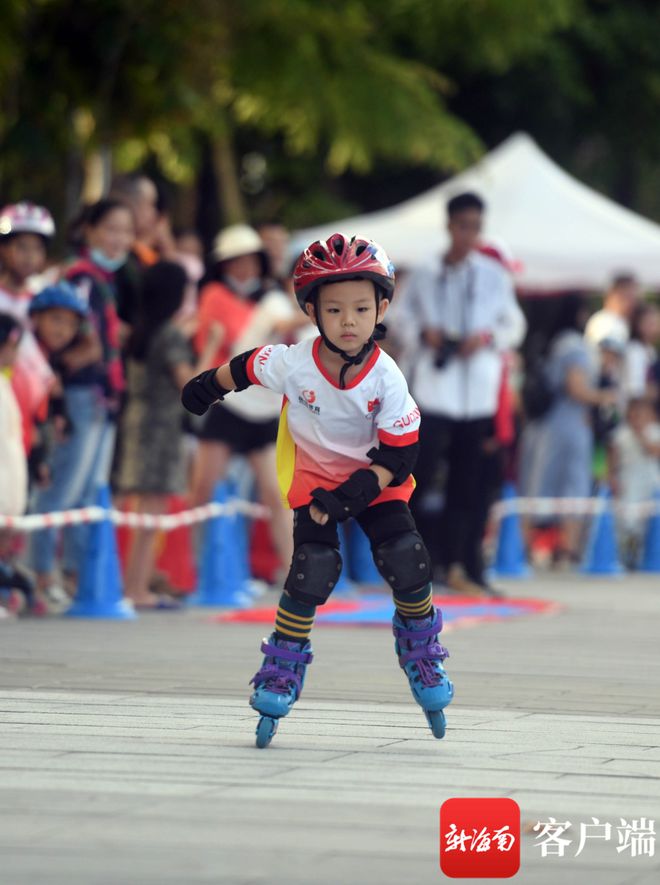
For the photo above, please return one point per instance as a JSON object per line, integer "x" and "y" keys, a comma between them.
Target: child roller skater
{"x": 346, "y": 447}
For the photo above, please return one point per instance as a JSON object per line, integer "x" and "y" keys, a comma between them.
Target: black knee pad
{"x": 404, "y": 562}
{"x": 314, "y": 571}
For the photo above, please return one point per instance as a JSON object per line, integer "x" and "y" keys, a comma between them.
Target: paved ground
{"x": 126, "y": 749}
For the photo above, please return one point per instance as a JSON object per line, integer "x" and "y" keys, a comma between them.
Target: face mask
{"x": 105, "y": 263}
{"x": 244, "y": 288}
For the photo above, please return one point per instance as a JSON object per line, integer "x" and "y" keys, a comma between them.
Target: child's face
{"x": 56, "y": 327}
{"x": 649, "y": 327}
{"x": 190, "y": 244}
{"x": 639, "y": 416}
{"x": 23, "y": 255}
{"x": 114, "y": 234}
{"x": 348, "y": 313}
{"x": 610, "y": 361}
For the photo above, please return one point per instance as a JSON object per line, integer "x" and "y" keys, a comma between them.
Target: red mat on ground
{"x": 375, "y": 610}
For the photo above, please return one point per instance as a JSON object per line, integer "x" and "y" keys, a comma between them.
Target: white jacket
{"x": 475, "y": 296}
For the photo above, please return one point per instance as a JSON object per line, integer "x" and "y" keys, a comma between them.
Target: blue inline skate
{"x": 420, "y": 656}
{"x": 278, "y": 684}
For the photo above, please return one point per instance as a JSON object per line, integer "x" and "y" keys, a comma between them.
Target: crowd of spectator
{"x": 95, "y": 350}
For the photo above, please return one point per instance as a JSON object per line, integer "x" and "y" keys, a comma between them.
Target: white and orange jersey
{"x": 325, "y": 431}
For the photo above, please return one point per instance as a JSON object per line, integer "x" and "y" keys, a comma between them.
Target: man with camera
{"x": 465, "y": 315}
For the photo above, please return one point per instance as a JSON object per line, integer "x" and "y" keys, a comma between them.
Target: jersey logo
{"x": 264, "y": 354}
{"x": 372, "y": 403}
{"x": 408, "y": 419}
{"x": 308, "y": 398}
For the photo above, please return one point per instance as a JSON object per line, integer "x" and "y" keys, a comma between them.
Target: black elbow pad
{"x": 400, "y": 460}
{"x": 238, "y": 369}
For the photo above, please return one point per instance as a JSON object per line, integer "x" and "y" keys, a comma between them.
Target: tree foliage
{"x": 355, "y": 82}
{"x": 589, "y": 96}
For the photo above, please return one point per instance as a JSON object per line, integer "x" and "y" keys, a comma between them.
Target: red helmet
{"x": 340, "y": 258}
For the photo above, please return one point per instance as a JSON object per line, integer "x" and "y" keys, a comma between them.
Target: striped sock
{"x": 415, "y": 605}
{"x": 294, "y": 619}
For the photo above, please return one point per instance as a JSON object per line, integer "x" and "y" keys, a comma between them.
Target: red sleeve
{"x": 249, "y": 367}
{"x": 403, "y": 439}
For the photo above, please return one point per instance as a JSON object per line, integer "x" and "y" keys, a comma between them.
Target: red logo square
{"x": 480, "y": 838}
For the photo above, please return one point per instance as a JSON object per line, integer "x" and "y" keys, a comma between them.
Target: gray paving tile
{"x": 126, "y": 751}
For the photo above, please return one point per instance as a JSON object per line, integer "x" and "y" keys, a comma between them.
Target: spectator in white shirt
{"x": 634, "y": 471}
{"x": 465, "y": 315}
{"x": 641, "y": 352}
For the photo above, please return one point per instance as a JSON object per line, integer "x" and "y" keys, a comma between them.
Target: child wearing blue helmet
{"x": 57, "y": 314}
{"x": 59, "y": 319}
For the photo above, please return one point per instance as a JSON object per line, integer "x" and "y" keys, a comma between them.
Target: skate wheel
{"x": 436, "y": 720}
{"x": 266, "y": 729}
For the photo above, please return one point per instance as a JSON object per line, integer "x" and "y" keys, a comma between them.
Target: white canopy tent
{"x": 564, "y": 234}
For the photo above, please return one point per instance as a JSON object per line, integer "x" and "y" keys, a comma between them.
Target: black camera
{"x": 448, "y": 349}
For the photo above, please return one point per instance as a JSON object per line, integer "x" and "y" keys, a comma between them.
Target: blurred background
{"x": 162, "y": 164}
{"x": 307, "y": 112}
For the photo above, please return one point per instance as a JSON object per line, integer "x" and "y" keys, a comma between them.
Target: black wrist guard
{"x": 351, "y": 497}
{"x": 201, "y": 391}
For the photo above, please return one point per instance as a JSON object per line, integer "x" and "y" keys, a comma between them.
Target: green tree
{"x": 589, "y": 96}
{"x": 356, "y": 82}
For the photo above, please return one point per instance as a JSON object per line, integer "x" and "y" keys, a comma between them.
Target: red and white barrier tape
{"x": 166, "y": 522}
{"x": 522, "y": 506}
{"x": 574, "y": 507}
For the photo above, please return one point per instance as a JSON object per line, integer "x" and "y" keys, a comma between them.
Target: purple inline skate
{"x": 278, "y": 684}
{"x": 420, "y": 656}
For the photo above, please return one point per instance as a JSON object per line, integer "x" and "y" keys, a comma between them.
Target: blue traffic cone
{"x": 510, "y": 554}
{"x": 651, "y": 556}
{"x": 100, "y": 592}
{"x": 223, "y": 570}
{"x": 361, "y": 565}
{"x": 601, "y": 556}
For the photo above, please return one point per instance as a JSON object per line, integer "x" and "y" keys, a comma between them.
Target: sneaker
{"x": 459, "y": 582}
{"x": 57, "y": 599}
{"x": 492, "y": 592}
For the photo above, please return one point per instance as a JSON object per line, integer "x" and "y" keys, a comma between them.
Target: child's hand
{"x": 215, "y": 333}
{"x": 43, "y": 477}
{"x": 187, "y": 325}
{"x": 62, "y": 428}
{"x": 471, "y": 345}
{"x": 608, "y": 397}
{"x": 319, "y": 516}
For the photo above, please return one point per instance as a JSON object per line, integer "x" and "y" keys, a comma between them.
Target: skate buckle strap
{"x": 425, "y": 633}
{"x": 277, "y": 679}
{"x": 431, "y": 652}
{"x": 286, "y": 654}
